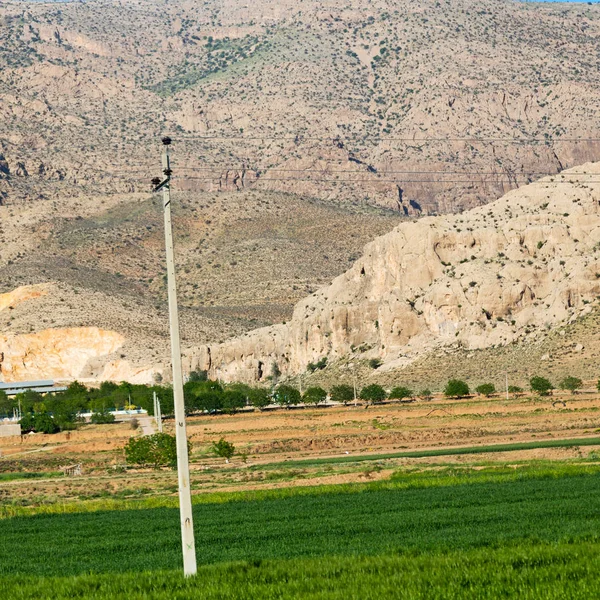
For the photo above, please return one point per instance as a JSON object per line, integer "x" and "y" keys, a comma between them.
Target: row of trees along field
{"x": 61, "y": 411}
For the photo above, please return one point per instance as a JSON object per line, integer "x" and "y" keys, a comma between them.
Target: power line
{"x": 339, "y": 138}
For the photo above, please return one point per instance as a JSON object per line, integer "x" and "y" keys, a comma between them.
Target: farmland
{"x": 473, "y": 497}
{"x": 494, "y": 531}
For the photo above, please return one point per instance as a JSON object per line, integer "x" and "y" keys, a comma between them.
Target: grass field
{"x": 533, "y": 534}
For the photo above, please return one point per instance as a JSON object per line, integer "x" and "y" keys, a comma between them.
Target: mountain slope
{"x": 505, "y": 273}
{"x": 408, "y": 105}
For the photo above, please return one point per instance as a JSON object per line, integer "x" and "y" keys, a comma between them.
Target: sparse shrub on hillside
{"x": 399, "y": 393}
{"x": 158, "y": 450}
{"x": 342, "y": 393}
{"x": 486, "y": 389}
{"x": 571, "y": 383}
{"x": 375, "y": 363}
{"x": 223, "y": 448}
{"x": 373, "y": 393}
{"x": 319, "y": 365}
{"x": 456, "y": 388}
{"x": 540, "y": 385}
{"x": 314, "y": 395}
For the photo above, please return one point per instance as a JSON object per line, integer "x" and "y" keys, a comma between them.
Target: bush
{"x": 571, "y": 383}
{"x": 426, "y": 395}
{"x": 40, "y": 422}
{"x": 223, "y": 448}
{"x": 375, "y": 363}
{"x": 319, "y": 365}
{"x": 196, "y": 376}
{"x": 342, "y": 393}
{"x": 540, "y": 385}
{"x": 134, "y": 423}
{"x": 515, "y": 389}
{"x": 399, "y": 393}
{"x": 486, "y": 389}
{"x": 373, "y": 393}
{"x": 156, "y": 450}
{"x": 102, "y": 418}
{"x": 286, "y": 395}
{"x": 314, "y": 395}
{"x": 456, "y": 388}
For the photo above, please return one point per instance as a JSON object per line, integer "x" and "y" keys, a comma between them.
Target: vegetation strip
{"x": 595, "y": 441}
{"x": 401, "y": 480}
{"x": 374, "y": 521}
{"x": 526, "y": 571}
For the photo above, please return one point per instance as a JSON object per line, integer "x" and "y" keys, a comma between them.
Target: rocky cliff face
{"x": 490, "y": 276}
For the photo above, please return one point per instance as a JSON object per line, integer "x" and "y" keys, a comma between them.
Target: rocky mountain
{"x": 506, "y": 273}
{"x": 301, "y": 132}
{"x": 423, "y": 107}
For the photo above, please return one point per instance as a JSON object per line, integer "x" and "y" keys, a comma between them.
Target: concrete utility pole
{"x": 183, "y": 469}
{"x": 157, "y": 413}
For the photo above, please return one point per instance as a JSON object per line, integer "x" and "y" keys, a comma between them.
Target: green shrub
{"x": 486, "y": 389}
{"x": 375, "y": 363}
{"x": 156, "y": 450}
{"x": 456, "y": 388}
{"x": 515, "y": 389}
{"x": 426, "y": 394}
{"x": 571, "y": 383}
{"x": 399, "y": 393}
{"x": 223, "y": 448}
{"x": 101, "y": 418}
{"x": 540, "y": 385}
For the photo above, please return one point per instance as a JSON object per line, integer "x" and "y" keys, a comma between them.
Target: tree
{"x": 233, "y": 400}
{"x": 198, "y": 376}
{"x": 342, "y": 393}
{"x": 6, "y": 404}
{"x": 426, "y": 394}
{"x": 286, "y": 395}
{"x": 223, "y": 448}
{"x": 486, "y": 389}
{"x": 259, "y": 398}
{"x": 314, "y": 395}
{"x": 515, "y": 389}
{"x": 540, "y": 385}
{"x": 103, "y": 417}
{"x": 157, "y": 450}
{"x": 571, "y": 383}
{"x": 401, "y": 392}
{"x": 456, "y": 388}
{"x": 373, "y": 393}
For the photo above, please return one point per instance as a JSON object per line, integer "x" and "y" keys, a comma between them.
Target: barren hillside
{"x": 421, "y": 106}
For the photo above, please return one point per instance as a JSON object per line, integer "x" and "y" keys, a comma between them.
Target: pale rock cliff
{"x": 54, "y": 353}
{"x": 489, "y": 276}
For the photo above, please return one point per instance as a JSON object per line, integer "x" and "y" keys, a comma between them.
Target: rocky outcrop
{"x": 54, "y": 353}
{"x": 491, "y": 276}
{"x": 10, "y": 299}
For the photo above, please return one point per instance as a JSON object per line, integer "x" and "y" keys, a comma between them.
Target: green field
{"x": 535, "y": 533}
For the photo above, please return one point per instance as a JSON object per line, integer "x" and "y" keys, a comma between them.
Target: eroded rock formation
{"x": 490, "y": 276}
